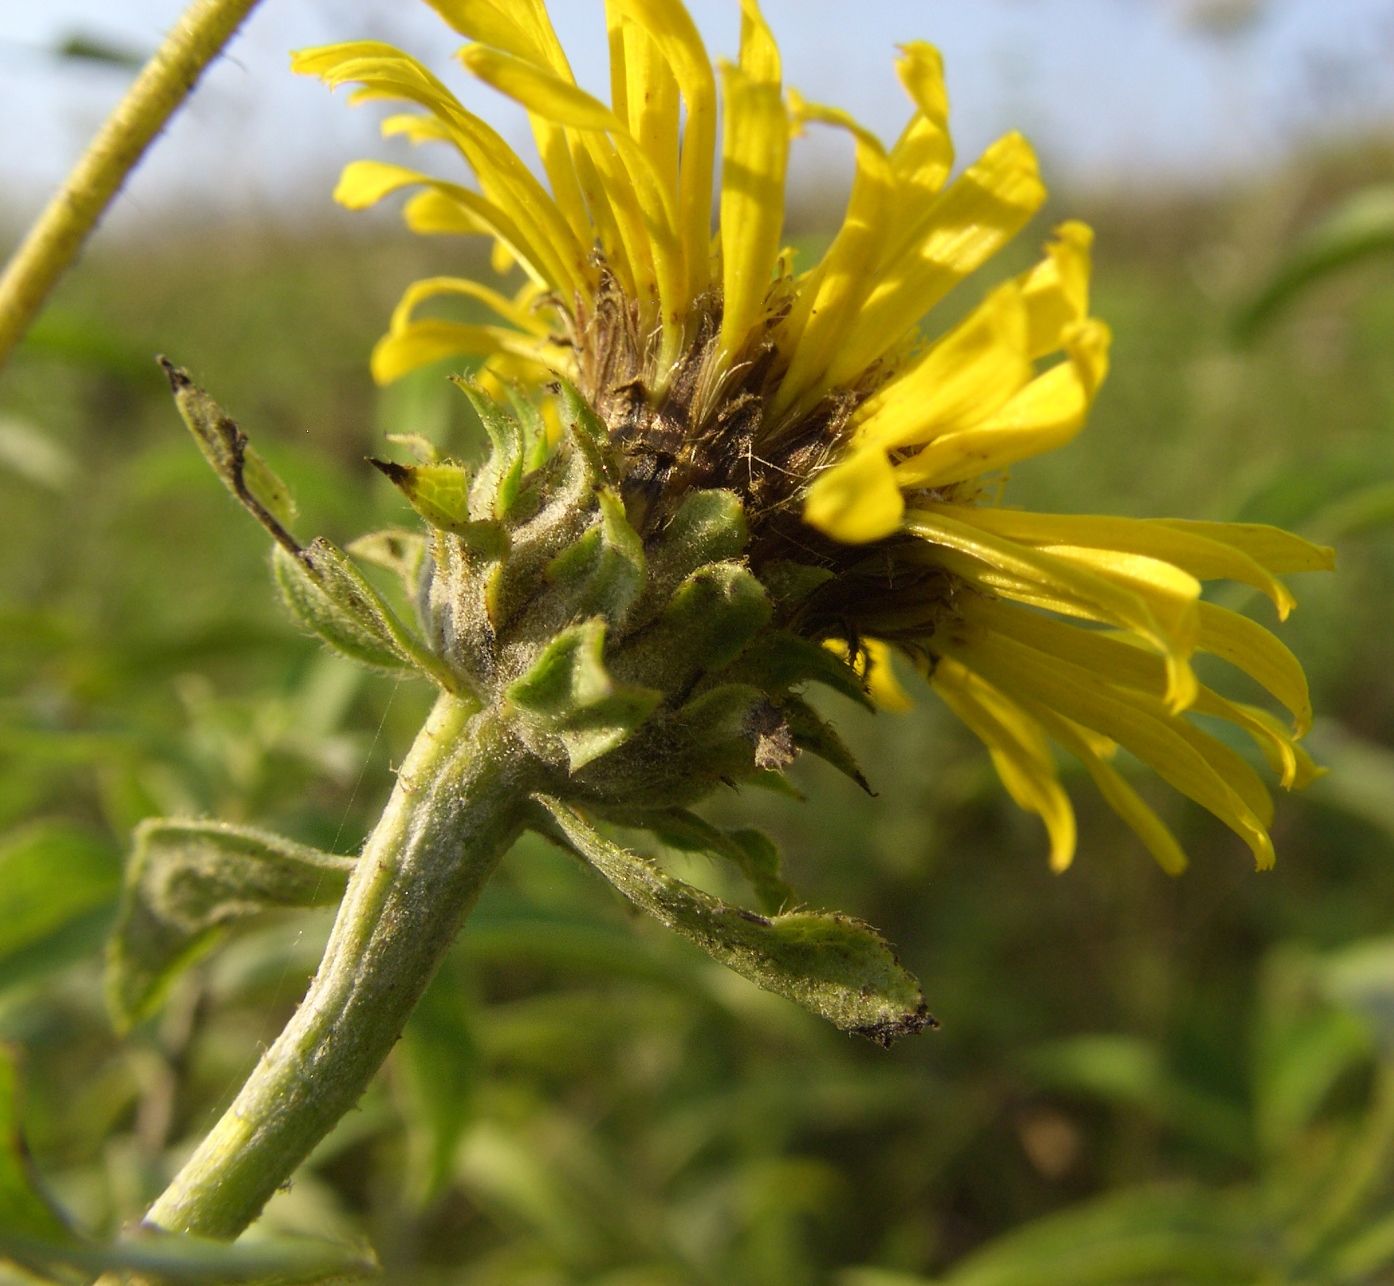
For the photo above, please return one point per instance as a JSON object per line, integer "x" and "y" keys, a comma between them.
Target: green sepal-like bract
{"x": 818, "y": 737}
{"x": 440, "y": 493}
{"x": 603, "y": 570}
{"x": 495, "y": 489}
{"x": 780, "y": 660}
{"x": 708, "y": 527}
{"x": 569, "y": 694}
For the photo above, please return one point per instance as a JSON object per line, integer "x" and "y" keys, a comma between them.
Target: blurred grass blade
{"x": 187, "y": 880}
{"x": 444, "y": 1067}
{"x": 1359, "y": 228}
{"x": 1140, "y": 1236}
{"x": 84, "y": 46}
{"x": 832, "y": 964}
{"x": 1132, "y": 1073}
{"x": 35, "y": 1233}
{"x": 25, "y": 1213}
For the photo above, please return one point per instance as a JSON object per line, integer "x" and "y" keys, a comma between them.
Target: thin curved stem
{"x": 58, "y": 233}
{"x": 457, "y": 806}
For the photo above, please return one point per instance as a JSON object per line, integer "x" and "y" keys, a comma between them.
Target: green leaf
{"x": 186, "y": 881}
{"x": 171, "y": 1259}
{"x": 444, "y": 1069}
{"x": 831, "y": 964}
{"x": 753, "y": 853}
{"x": 1362, "y": 226}
{"x": 30, "y": 453}
{"x": 1360, "y": 978}
{"x": 36, "y": 1235}
{"x": 85, "y": 46}
{"x": 328, "y": 595}
{"x": 54, "y": 877}
{"x": 569, "y": 693}
{"x": 1130, "y": 1071}
{"x": 224, "y": 446}
{"x": 394, "y": 549}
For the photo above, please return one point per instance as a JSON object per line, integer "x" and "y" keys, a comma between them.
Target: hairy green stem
{"x": 457, "y": 806}
{"x": 56, "y": 237}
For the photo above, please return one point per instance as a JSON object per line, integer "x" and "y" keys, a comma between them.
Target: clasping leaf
{"x": 838, "y": 967}
{"x": 186, "y": 881}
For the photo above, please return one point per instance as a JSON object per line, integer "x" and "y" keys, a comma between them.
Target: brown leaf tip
{"x": 176, "y": 375}
{"x": 887, "y": 1033}
{"x": 394, "y": 472}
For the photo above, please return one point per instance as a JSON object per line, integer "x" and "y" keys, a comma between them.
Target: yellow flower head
{"x": 861, "y": 451}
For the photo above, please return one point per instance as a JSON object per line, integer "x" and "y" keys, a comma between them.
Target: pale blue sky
{"x": 1114, "y": 92}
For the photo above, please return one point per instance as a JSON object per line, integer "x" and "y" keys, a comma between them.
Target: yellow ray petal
{"x": 645, "y": 93}
{"x": 1284, "y": 757}
{"x": 1201, "y": 555}
{"x": 964, "y": 378}
{"x": 1246, "y": 644}
{"x": 856, "y": 500}
{"x": 1154, "y": 610}
{"x": 923, "y": 155}
{"x": 512, "y": 311}
{"x": 873, "y": 663}
{"x": 522, "y": 28}
{"x": 755, "y": 152}
{"x": 1163, "y": 744}
{"x": 670, "y": 26}
{"x": 1120, "y": 661}
{"x": 1278, "y": 550}
{"x": 881, "y": 683}
{"x": 1230, "y": 767}
{"x": 1042, "y": 416}
{"x": 422, "y": 342}
{"x": 433, "y": 214}
{"x": 1154, "y": 833}
{"x": 385, "y": 72}
{"x": 1018, "y": 751}
{"x": 826, "y": 313}
{"x": 1057, "y": 289}
{"x": 964, "y": 226}
{"x": 364, "y": 183}
{"x": 415, "y": 127}
{"x": 643, "y": 209}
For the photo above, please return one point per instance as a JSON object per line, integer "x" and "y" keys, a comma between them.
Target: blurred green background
{"x": 1138, "y": 1078}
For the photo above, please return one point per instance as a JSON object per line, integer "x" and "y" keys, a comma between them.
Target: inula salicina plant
{"x": 718, "y": 476}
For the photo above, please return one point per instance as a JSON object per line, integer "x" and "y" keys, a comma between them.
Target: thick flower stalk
{"x": 716, "y": 477}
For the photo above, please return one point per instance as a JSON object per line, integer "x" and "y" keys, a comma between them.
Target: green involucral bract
{"x": 623, "y": 635}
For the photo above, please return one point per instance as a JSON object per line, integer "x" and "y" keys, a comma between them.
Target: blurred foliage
{"x": 1139, "y": 1079}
